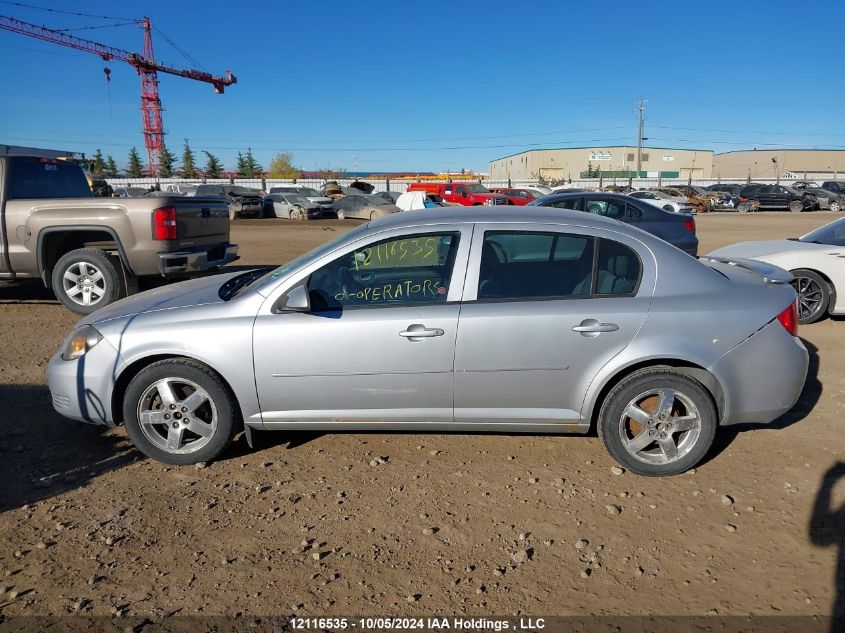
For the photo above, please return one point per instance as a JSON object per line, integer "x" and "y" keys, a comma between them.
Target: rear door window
{"x": 607, "y": 208}
{"x": 36, "y": 178}
{"x": 574, "y": 204}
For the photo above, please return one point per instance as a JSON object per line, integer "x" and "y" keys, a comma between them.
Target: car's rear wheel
{"x": 813, "y": 295}
{"x": 835, "y": 206}
{"x": 87, "y": 279}
{"x": 658, "y": 422}
{"x": 178, "y": 411}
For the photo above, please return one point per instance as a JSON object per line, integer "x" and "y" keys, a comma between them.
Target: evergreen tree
{"x": 135, "y": 168}
{"x": 188, "y": 160}
{"x": 252, "y": 168}
{"x": 97, "y": 164}
{"x": 213, "y": 168}
{"x": 240, "y": 165}
{"x": 110, "y": 170}
{"x": 165, "y": 162}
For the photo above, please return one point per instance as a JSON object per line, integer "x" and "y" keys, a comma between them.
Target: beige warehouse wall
{"x": 569, "y": 163}
{"x": 759, "y": 164}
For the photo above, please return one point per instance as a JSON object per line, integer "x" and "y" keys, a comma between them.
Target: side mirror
{"x": 296, "y": 300}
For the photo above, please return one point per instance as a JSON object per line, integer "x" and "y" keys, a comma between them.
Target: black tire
{"x": 220, "y": 404}
{"x": 691, "y": 444}
{"x": 813, "y": 295}
{"x": 340, "y": 214}
{"x": 796, "y": 206}
{"x": 96, "y": 271}
{"x": 835, "y": 206}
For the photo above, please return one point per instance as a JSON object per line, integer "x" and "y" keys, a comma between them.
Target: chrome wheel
{"x": 84, "y": 283}
{"x": 810, "y": 297}
{"x": 177, "y": 415}
{"x": 660, "y": 426}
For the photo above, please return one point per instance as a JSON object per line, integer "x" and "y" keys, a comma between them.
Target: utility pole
{"x": 640, "y": 108}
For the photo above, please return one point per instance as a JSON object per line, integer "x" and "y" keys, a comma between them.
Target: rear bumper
{"x": 197, "y": 259}
{"x": 763, "y": 376}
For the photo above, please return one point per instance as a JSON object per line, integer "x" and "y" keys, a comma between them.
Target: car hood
{"x": 202, "y": 290}
{"x": 763, "y": 248}
{"x": 320, "y": 199}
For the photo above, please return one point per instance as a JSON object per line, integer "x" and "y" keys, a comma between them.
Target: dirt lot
{"x": 305, "y": 525}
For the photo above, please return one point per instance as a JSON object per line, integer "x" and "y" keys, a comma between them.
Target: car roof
{"x": 485, "y": 214}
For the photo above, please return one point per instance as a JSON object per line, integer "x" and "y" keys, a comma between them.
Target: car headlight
{"x": 80, "y": 341}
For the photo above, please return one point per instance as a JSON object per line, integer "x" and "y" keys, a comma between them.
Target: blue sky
{"x": 437, "y": 85}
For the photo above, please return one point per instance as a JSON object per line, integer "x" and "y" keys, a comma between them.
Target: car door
{"x": 377, "y": 341}
{"x": 545, "y": 307}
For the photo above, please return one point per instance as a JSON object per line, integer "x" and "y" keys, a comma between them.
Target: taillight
{"x": 789, "y": 318}
{"x": 689, "y": 225}
{"x": 741, "y": 199}
{"x": 164, "y": 223}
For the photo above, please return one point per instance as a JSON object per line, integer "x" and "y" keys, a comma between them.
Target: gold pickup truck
{"x": 92, "y": 250}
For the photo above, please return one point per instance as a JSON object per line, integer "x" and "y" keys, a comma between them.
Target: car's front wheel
{"x": 813, "y": 295}
{"x": 178, "y": 411}
{"x": 340, "y": 214}
{"x": 658, "y": 422}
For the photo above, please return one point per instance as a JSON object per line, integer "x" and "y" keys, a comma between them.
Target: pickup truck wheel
{"x": 178, "y": 411}
{"x": 87, "y": 279}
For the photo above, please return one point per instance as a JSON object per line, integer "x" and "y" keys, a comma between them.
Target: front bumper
{"x": 197, "y": 259}
{"x": 757, "y": 395}
{"x": 81, "y": 389}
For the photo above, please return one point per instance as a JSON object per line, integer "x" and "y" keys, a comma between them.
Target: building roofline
{"x": 557, "y": 149}
{"x": 784, "y": 149}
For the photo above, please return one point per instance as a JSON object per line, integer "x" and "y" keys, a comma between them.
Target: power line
{"x": 84, "y": 15}
{"x": 698, "y": 129}
{"x": 98, "y": 26}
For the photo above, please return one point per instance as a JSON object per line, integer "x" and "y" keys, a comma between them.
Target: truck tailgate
{"x": 200, "y": 221}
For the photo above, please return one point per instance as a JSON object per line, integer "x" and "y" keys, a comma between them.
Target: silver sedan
{"x": 542, "y": 321}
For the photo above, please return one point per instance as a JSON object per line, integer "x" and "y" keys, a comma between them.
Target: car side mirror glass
{"x": 296, "y": 300}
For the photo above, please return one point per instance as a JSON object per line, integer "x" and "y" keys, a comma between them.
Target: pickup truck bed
{"x": 89, "y": 249}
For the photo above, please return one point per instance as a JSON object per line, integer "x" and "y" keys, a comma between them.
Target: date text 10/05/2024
{"x": 418, "y": 624}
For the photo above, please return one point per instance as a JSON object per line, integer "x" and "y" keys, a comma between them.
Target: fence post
{"x": 387, "y": 183}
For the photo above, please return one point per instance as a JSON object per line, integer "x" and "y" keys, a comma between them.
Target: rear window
{"x": 42, "y": 178}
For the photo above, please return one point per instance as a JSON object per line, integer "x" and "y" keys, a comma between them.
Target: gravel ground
{"x": 385, "y": 523}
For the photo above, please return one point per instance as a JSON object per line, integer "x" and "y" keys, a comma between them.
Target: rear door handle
{"x": 591, "y": 327}
{"x": 419, "y": 331}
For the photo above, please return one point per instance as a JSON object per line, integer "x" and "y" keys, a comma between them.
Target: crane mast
{"x": 145, "y": 65}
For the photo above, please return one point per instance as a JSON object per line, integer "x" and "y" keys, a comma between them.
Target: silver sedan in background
{"x": 363, "y": 207}
{"x": 541, "y": 321}
{"x": 293, "y": 207}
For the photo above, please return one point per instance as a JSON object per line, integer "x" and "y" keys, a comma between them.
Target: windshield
{"x": 478, "y": 189}
{"x": 295, "y": 199}
{"x": 308, "y": 191}
{"x": 239, "y": 191}
{"x": 833, "y": 234}
{"x": 300, "y": 261}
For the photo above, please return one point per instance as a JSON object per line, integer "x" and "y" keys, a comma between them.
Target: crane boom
{"x": 146, "y": 66}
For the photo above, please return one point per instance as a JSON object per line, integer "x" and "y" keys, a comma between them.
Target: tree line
{"x": 246, "y": 166}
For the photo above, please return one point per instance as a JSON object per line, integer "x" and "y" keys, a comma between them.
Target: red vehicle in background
{"x": 468, "y": 194}
{"x": 519, "y": 196}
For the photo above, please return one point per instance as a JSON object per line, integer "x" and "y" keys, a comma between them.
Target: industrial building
{"x": 613, "y": 162}
{"x": 771, "y": 164}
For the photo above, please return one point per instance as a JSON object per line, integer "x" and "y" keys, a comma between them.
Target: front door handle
{"x": 592, "y": 328}
{"x": 418, "y": 331}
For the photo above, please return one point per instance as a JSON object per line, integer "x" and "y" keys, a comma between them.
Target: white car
{"x": 663, "y": 200}
{"x": 816, "y": 261}
{"x": 325, "y": 204}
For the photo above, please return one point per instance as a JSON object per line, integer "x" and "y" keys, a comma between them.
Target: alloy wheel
{"x": 660, "y": 426}
{"x": 810, "y": 296}
{"x": 177, "y": 415}
{"x": 84, "y": 283}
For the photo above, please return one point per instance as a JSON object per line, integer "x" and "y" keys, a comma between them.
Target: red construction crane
{"x": 146, "y": 66}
